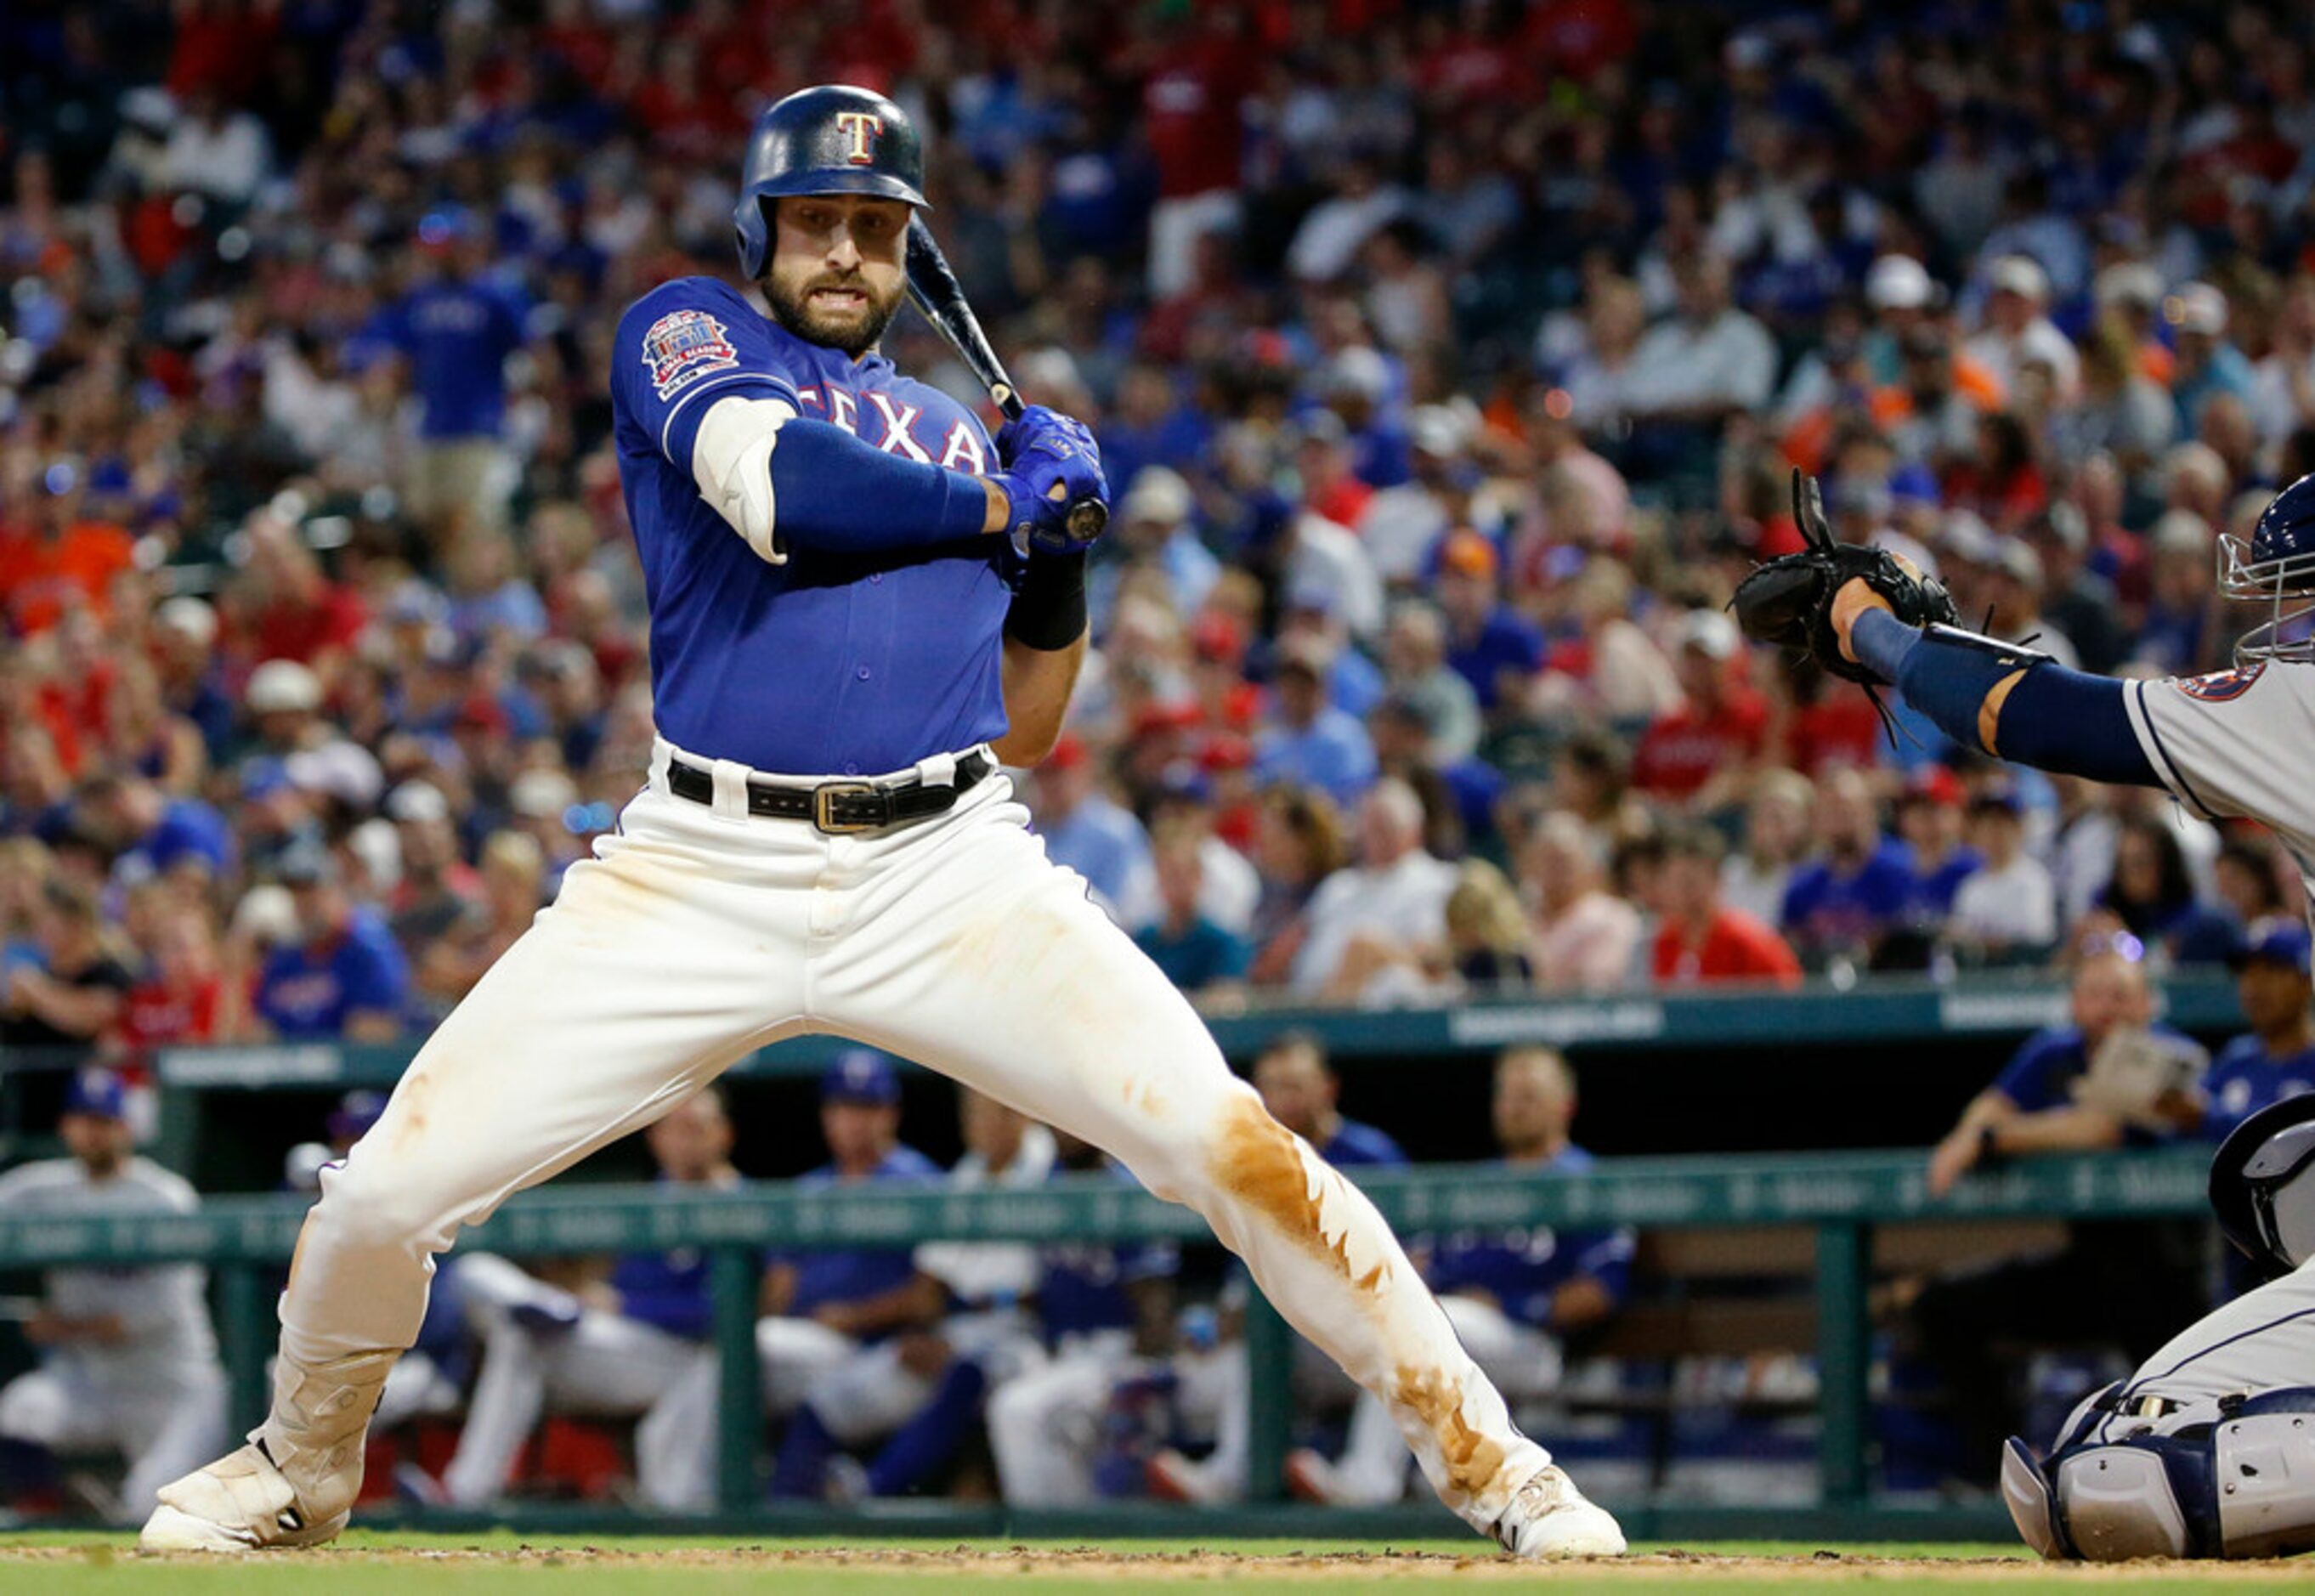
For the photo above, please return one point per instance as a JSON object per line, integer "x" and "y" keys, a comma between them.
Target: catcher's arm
{"x": 1872, "y": 617}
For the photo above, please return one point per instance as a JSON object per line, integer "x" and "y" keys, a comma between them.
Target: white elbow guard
{"x": 731, "y": 462}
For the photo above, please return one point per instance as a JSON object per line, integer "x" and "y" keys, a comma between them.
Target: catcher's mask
{"x": 2277, "y": 566}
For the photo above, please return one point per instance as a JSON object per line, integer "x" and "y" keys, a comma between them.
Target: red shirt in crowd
{"x": 158, "y": 1015}
{"x": 1190, "y": 106}
{"x": 1735, "y": 947}
{"x": 1840, "y": 729}
{"x": 293, "y": 629}
{"x": 1680, "y": 751}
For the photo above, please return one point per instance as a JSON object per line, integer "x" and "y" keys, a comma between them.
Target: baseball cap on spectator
{"x": 355, "y": 1113}
{"x": 2198, "y": 307}
{"x": 1439, "y": 431}
{"x": 1966, "y": 537}
{"x": 1899, "y": 282}
{"x": 1227, "y": 750}
{"x": 1314, "y": 595}
{"x": 2019, "y": 563}
{"x": 1710, "y": 633}
{"x": 415, "y": 603}
{"x": 1321, "y": 427}
{"x": 1466, "y": 553}
{"x": 441, "y": 228}
{"x": 1997, "y": 798}
{"x": 2179, "y": 532}
{"x": 2131, "y": 283}
{"x": 540, "y": 795}
{"x": 2021, "y": 275}
{"x": 342, "y": 770}
{"x": 417, "y": 801}
{"x": 479, "y": 712}
{"x": 97, "y": 1092}
{"x": 2284, "y": 942}
{"x": 305, "y": 865}
{"x": 2063, "y": 524}
{"x": 1218, "y": 638}
{"x": 860, "y": 1075}
{"x": 1357, "y": 373}
{"x": 1913, "y": 484}
{"x": 266, "y": 914}
{"x": 1932, "y": 784}
{"x": 1158, "y": 495}
{"x": 282, "y": 686}
{"x": 188, "y": 616}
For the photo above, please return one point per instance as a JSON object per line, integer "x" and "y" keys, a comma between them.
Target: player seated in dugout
{"x": 2109, "y": 1079}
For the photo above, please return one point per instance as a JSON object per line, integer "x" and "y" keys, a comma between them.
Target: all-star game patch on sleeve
{"x": 685, "y": 344}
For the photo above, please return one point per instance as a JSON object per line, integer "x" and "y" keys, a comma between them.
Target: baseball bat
{"x": 933, "y": 289}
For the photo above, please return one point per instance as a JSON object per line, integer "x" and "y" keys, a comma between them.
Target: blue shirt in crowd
{"x": 1524, "y": 1270}
{"x": 862, "y": 1272}
{"x": 1334, "y": 754}
{"x": 457, "y": 337}
{"x": 1828, "y": 907}
{"x": 2245, "y": 1077}
{"x": 307, "y": 992}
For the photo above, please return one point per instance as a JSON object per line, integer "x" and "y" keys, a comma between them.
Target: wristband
{"x": 1049, "y": 609}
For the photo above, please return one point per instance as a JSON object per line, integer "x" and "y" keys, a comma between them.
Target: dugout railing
{"x": 246, "y": 1242}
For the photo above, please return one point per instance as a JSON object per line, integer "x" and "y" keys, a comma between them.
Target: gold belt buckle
{"x": 826, "y": 793}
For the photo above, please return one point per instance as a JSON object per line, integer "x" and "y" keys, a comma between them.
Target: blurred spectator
{"x": 2276, "y": 1058}
{"x": 2116, "y": 1283}
{"x": 1701, "y": 938}
{"x": 1310, "y": 741}
{"x": 128, "y": 1362}
{"x": 1299, "y": 1087}
{"x": 1755, "y": 876}
{"x": 1494, "y": 646}
{"x": 2208, "y": 365}
{"x": 2152, "y": 895}
{"x": 342, "y": 977}
{"x": 1299, "y": 844}
{"x": 71, "y": 990}
{"x": 1584, "y": 935}
{"x": 626, "y": 1341}
{"x": 2019, "y": 333}
{"x": 1382, "y": 913}
{"x": 2006, "y": 907}
{"x": 1842, "y": 904}
{"x": 1488, "y": 941}
{"x": 1701, "y": 753}
{"x": 1195, "y": 954}
{"x": 1087, "y": 830}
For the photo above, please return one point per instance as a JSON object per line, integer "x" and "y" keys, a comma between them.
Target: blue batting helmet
{"x": 834, "y": 140}
{"x": 2276, "y": 563}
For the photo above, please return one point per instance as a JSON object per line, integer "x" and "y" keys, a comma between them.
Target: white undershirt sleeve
{"x": 731, "y": 462}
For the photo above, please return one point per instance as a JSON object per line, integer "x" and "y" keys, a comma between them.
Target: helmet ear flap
{"x": 752, "y": 221}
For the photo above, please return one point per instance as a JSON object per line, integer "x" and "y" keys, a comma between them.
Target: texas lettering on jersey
{"x": 892, "y": 425}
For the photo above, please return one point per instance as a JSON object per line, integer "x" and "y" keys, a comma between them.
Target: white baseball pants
{"x": 605, "y": 1366}
{"x": 162, "y": 1430}
{"x": 700, "y": 934}
{"x": 1523, "y": 1361}
{"x": 1045, "y": 1425}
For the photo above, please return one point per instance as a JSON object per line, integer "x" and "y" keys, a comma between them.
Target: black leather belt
{"x": 839, "y": 808}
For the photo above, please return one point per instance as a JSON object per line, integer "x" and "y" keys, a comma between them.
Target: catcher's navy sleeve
{"x": 2054, "y": 719}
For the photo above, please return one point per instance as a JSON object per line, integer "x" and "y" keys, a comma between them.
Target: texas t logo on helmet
{"x": 862, "y": 128}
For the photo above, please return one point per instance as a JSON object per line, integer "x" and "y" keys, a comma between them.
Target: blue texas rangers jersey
{"x": 830, "y": 663}
{"x": 1522, "y": 1269}
{"x": 862, "y": 1272}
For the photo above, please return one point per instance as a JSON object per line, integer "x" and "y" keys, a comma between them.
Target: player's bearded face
{"x": 836, "y": 274}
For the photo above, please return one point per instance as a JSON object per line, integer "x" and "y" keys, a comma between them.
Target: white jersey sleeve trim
{"x": 731, "y": 462}
{"x": 2149, "y": 742}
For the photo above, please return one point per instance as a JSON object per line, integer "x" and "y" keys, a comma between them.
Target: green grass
{"x": 400, "y": 1564}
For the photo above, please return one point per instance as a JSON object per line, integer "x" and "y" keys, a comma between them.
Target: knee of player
{"x": 383, "y": 1202}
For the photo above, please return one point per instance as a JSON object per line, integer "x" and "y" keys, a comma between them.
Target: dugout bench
{"x": 1839, "y": 1201}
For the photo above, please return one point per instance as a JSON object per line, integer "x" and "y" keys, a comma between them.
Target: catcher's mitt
{"x": 1789, "y": 601}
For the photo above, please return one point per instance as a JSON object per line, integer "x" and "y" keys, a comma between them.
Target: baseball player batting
{"x": 859, "y": 609}
{"x": 2208, "y": 1450}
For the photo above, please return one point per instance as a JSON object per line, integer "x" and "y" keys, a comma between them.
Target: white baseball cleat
{"x": 1548, "y": 1517}
{"x": 239, "y": 1503}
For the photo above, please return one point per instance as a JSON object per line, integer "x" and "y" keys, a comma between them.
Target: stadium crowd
{"x": 1448, "y": 361}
